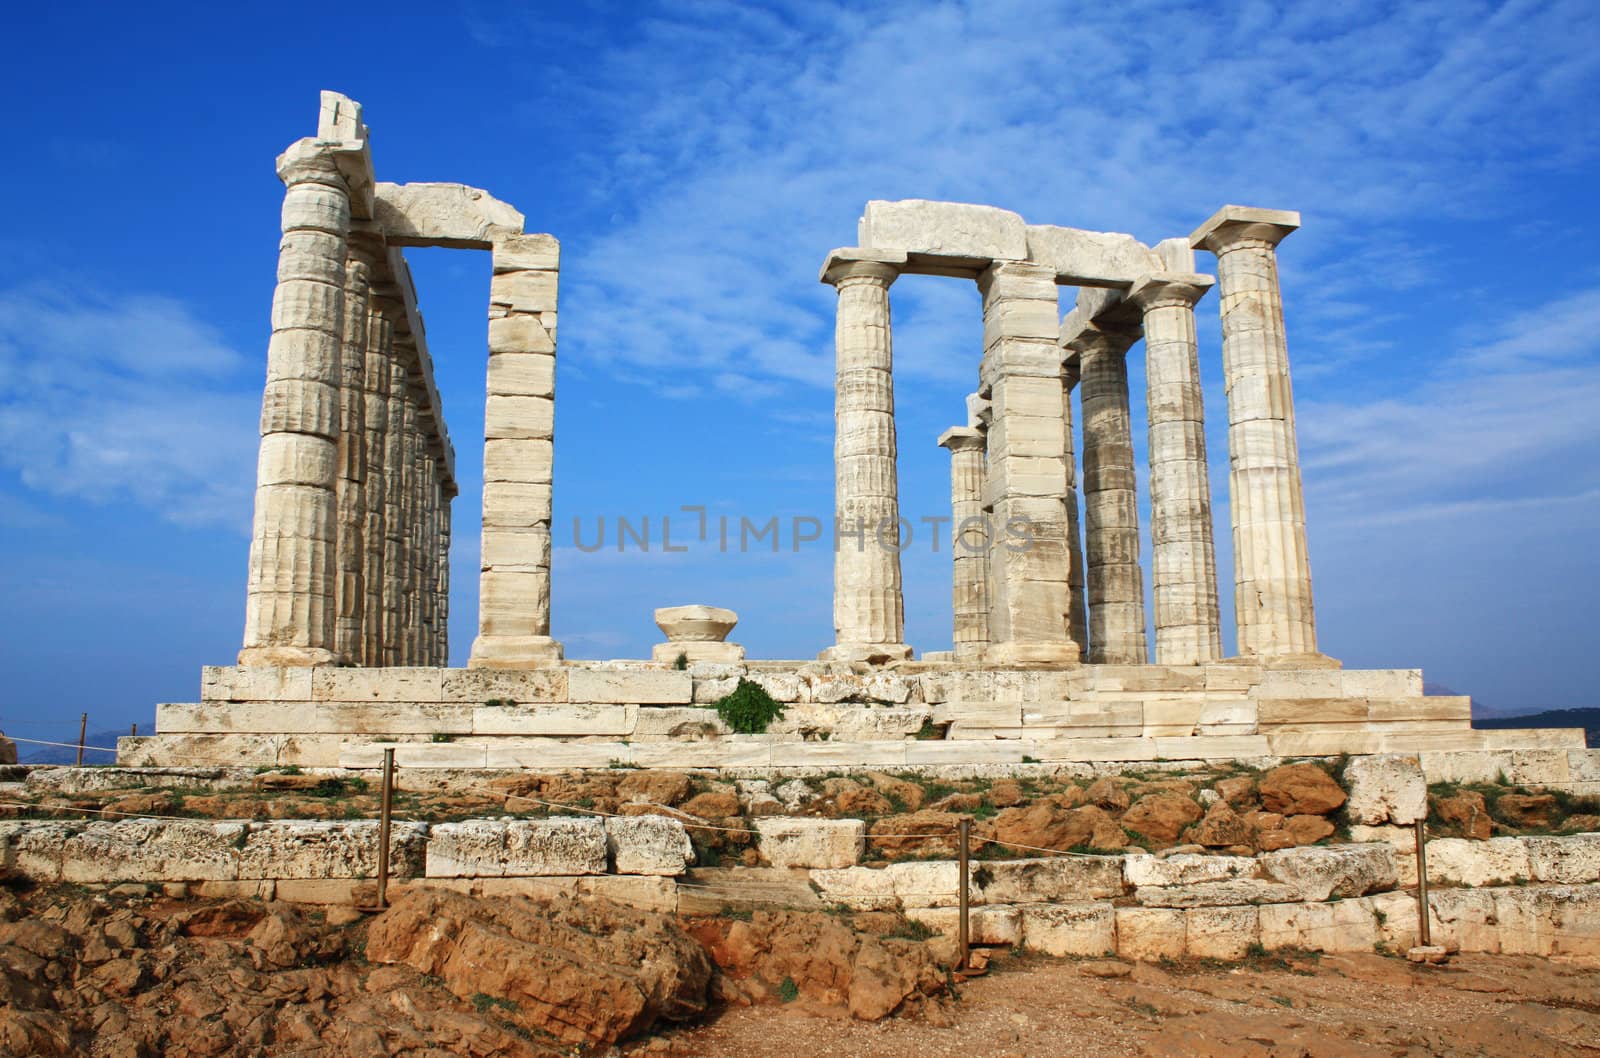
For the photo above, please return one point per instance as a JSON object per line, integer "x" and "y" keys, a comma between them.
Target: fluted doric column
{"x": 394, "y": 510}
{"x": 1272, "y": 568}
{"x": 375, "y": 419}
{"x": 442, "y": 612}
{"x": 969, "y": 543}
{"x": 1030, "y": 603}
{"x": 410, "y": 458}
{"x": 1183, "y": 560}
{"x": 291, "y": 600}
{"x": 352, "y": 447}
{"x": 519, "y": 458}
{"x": 868, "y": 605}
{"x": 1077, "y": 609}
{"x": 1111, "y": 504}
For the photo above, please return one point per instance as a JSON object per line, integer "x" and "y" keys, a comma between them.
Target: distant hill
{"x": 33, "y": 754}
{"x": 1588, "y": 719}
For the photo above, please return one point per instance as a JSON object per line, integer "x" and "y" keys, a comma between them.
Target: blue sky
{"x": 697, "y": 160}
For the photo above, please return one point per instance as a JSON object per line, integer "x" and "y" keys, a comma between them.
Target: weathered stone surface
{"x": 1386, "y": 789}
{"x": 639, "y": 687}
{"x": 425, "y": 214}
{"x": 1574, "y": 859}
{"x": 1161, "y": 816}
{"x": 1186, "y": 869}
{"x": 944, "y": 229}
{"x": 648, "y": 844}
{"x": 1092, "y": 256}
{"x": 137, "y": 850}
{"x": 1151, "y": 933}
{"x": 813, "y": 843}
{"x": 1466, "y": 810}
{"x": 1300, "y": 789}
{"x": 1238, "y": 892}
{"x": 985, "y": 925}
{"x": 1333, "y": 870}
{"x": 1070, "y": 928}
{"x": 1347, "y": 925}
{"x": 1051, "y": 879}
{"x": 317, "y": 849}
{"x": 1498, "y": 861}
{"x": 1221, "y": 932}
{"x": 505, "y": 848}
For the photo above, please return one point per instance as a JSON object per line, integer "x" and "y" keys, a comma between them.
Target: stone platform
{"x": 602, "y": 714}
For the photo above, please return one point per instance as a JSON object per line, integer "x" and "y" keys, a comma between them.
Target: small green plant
{"x": 501, "y": 701}
{"x": 788, "y": 991}
{"x": 913, "y": 930}
{"x": 483, "y": 1003}
{"x": 1256, "y": 950}
{"x": 618, "y": 764}
{"x": 681, "y": 662}
{"x": 931, "y": 732}
{"x": 440, "y": 736}
{"x": 1029, "y": 760}
{"x": 1282, "y": 1001}
{"x": 1144, "y": 1008}
{"x": 748, "y": 709}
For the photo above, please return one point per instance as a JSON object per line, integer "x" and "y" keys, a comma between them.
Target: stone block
{"x": 264, "y": 684}
{"x": 1048, "y": 879}
{"x": 1239, "y": 892}
{"x": 858, "y": 888}
{"x": 1574, "y": 859}
{"x": 1347, "y": 925}
{"x": 522, "y": 374}
{"x": 517, "y": 504}
{"x": 639, "y": 687}
{"x": 512, "y": 687}
{"x": 34, "y": 849}
{"x": 505, "y": 848}
{"x": 692, "y": 651}
{"x": 554, "y": 718}
{"x": 330, "y": 684}
{"x": 1464, "y": 917}
{"x": 839, "y": 754}
{"x": 727, "y": 753}
{"x": 152, "y": 850}
{"x": 414, "y": 754}
{"x": 883, "y": 688}
{"x": 325, "y": 849}
{"x": 1385, "y": 789}
{"x": 648, "y": 844}
{"x": 1221, "y": 932}
{"x": 1186, "y": 869}
{"x": 1533, "y": 767}
{"x": 1498, "y": 861}
{"x": 967, "y": 233}
{"x": 519, "y": 334}
{"x": 1301, "y": 683}
{"x": 811, "y": 843}
{"x": 1151, "y": 933}
{"x": 438, "y": 214}
{"x": 529, "y": 290}
{"x": 1321, "y": 871}
{"x": 1083, "y": 928}
{"x": 1238, "y": 678}
{"x": 1457, "y": 766}
{"x": 931, "y": 883}
{"x": 1380, "y": 683}
{"x": 506, "y": 752}
{"x": 528, "y": 252}
{"x": 678, "y": 722}
{"x": 1303, "y": 712}
{"x": 1090, "y": 258}
{"x": 985, "y": 925}
{"x": 517, "y": 417}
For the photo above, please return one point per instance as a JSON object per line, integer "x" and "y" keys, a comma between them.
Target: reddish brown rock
{"x": 1300, "y": 789}
{"x": 1006, "y": 793}
{"x": 655, "y": 787}
{"x": 1307, "y": 830}
{"x": 1527, "y": 811}
{"x": 713, "y": 804}
{"x": 1467, "y": 812}
{"x": 904, "y": 796}
{"x": 926, "y": 834}
{"x": 1107, "y": 793}
{"x": 1239, "y": 791}
{"x": 1161, "y": 817}
{"x": 1047, "y": 826}
{"x": 848, "y": 799}
{"x": 1220, "y": 828}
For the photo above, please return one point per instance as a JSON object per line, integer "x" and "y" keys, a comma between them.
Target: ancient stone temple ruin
{"x": 345, "y": 648}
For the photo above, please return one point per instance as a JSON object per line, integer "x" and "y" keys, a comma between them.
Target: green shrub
{"x": 748, "y": 709}
{"x": 788, "y": 991}
{"x": 681, "y": 662}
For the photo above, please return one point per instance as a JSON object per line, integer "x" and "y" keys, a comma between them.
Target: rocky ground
{"x": 1232, "y": 809}
{"x": 131, "y": 973}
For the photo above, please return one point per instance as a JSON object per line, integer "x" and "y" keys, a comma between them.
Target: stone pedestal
{"x": 291, "y": 602}
{"x": 1272, "y": 568}
{"x": 519, "y": 458}
{"x": 868, "y": 607}
{"x": 969, "y": 543}
{"x": 1029, "y": 604}
{"x": 696, "y": 633}
{"x": 1111, "y": 505}
{"x": 1183, "y": 560}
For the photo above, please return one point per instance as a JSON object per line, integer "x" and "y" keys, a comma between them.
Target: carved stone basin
{"x": 696, "y": 624}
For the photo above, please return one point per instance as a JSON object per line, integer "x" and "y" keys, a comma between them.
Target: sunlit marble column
{"x": 375, "y": 419}
{"x": 969, "y": 543}
{"x": 352, "y": 448}
{"x": 1272, "y": 567}
{"x": 1183, "y": 560}
{"x": 290, "y": 606}
{"x": 868, "y": 604}
{"x": 1077, "y": 609}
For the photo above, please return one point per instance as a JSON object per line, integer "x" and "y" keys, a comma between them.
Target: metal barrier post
{"x": 383, "y": 828}
{"x": 1424, "y": 932}
{"x": 83, "y": 728}
{"x": 964, "y": 934}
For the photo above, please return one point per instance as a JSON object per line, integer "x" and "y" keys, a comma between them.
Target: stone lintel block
{"x": 812, "y": 843}
{"x": 638, "y": 687}
{"x": 1221, "y": 226}
{"x": 1090, "y": 258}
{"x": 1176, "y": 255}
{"x": 229, "y": 683}
{"x": 436, "y": 214}
{"x": 316, "y": 849}
{"x": 954, "y": 231}
{"x": 528, "y": 252}
{"x": 554, "y": 718}
{"x": 377, "y": 685}
{"x": 509, "y": 848}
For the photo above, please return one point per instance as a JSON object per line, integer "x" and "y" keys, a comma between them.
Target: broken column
{"x": 1182, "y": 556}
{"x": 290, "y": 606}
{"x": 519, "y": 457}
{"x": 868, "y": 606}
{"x": 1111, "y": 505}
{"x": 969, "y": 542}
{"x": 1272, "y": 569}
{"x": 1029, "y": 608}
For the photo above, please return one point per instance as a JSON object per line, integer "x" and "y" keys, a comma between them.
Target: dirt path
{"x": 1300, "y": 1007}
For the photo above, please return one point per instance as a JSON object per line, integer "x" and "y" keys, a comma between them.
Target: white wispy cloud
{"x": 126, "y": 397}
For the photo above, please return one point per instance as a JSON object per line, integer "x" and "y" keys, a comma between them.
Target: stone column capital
{"x": 1080, "y": 336}
{"x": 1169, "y": 290}
{"x": 857, "y": 263}
{"x": 1233, "y": 226}
{"x": 962, "y": 439}
{"x": 309, "y": 161}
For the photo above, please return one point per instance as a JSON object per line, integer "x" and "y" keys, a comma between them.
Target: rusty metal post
{"x": 1424, "y": 932}
{"x": 133, "y": 730}
{"x": 964, "y": 932}
{"x": 383, "y": 828}
{"x": 83, "y": 730}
